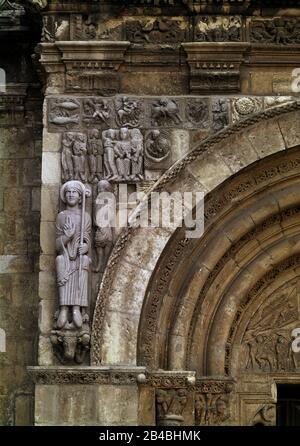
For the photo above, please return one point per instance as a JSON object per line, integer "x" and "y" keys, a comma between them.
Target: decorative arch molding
{"x": 129, "y": 305}
{"x": 240, "y": 246}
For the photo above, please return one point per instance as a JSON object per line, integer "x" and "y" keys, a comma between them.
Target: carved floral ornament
{"x": 166, "y": 181}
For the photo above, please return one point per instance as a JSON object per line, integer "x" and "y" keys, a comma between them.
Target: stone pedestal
{"x": 102, "y": 396}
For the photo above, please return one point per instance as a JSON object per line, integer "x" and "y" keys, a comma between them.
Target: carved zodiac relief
{"x": 280, "y": 31}
{"x": 267, "y": 340}
{"x": 165, "y": 112}
{"x": 218, "y": 29}
{"x": 97, "y": 111}
{"x": 157, "y": 150}
{"x": 197, "y": 112}
{"x": 129, "y": 112}
{"x": 220, "y": 114}
{"x": 244, "y": 107}
{"x": 64, "y": 112}
{"x": 170, "y": 404}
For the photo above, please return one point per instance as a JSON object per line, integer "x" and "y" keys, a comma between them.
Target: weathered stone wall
{"x": 20, "y": 172}
{"x": 180, "y": 70}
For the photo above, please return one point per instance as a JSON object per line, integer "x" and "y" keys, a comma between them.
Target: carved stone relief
{"x": 156, "y": 30}
{"x": 129, "y": 112}
{"x": 279, "y": 31}
{"x": 170, "y": 404}
{"x": 157, "y": 150}
{"x": 165, "y": 112}
{"x": 243, "y": 107}
{"x": 75, "y": 113}
{"x": 185, "y": 112}
{"x": 123, "y": 154}
{"x": 265, "y": 416}
{"x": 94, "y": 27}
{"x": 55, "y": 28}
{"x": 115, "y": 154}
{"x": 64, "y": 113}
{"x": 212, "y": 402}
{"x": 104, "y": 213}
{"x": 197, "y": 112}
{"x": 97, "y": 111}
{"x": 211, "y": 410}
{"x": 220, "y": 112}
{"x": 267, "y": 340}
{"x": 218, "y": 29}
{"x": 71, "y": 334}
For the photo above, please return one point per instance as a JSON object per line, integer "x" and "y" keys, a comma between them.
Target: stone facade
{"x": 172, "y": 96}
{"x": 20, "y": 180}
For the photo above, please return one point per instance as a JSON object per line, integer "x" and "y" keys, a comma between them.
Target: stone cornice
{"x": 266, "y": 54}
{"x": 118, "y": 375}
{"x": 126, "y": 375}
{"x": 107, "y": 53}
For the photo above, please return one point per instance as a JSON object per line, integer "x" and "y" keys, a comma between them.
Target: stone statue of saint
{"x": 104, "y": 215}
{"x": 73, "y": 229}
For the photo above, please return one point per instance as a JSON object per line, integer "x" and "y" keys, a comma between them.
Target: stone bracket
{"x": 88, "y": 66}
{"x": 215, "y": 66}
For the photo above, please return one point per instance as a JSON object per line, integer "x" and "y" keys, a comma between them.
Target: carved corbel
{"x": 215, "y": 66}
{"x": 92, "y": 66}
{"x": 50, "y": 59}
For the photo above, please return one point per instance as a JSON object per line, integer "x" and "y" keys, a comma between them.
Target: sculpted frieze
{"x": 69, "y": 113}
{"x": 156, "y": 30}
{"x": 218, "y": 29}
{"x": 267, "y": 340}
{"x": 114, "y": 154}
{"x": 93, "y": 26}
{"x": 278, "y": 31}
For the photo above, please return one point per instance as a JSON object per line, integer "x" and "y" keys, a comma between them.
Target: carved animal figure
{"x": 165, "y": 111}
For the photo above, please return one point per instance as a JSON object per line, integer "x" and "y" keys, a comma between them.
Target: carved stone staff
{"x": 85, "y": 193}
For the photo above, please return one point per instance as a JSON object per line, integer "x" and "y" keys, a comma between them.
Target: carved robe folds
{"x": 72, "y": 288}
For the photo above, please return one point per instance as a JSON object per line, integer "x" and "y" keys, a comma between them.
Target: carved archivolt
{"x": 162, "y": 295}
